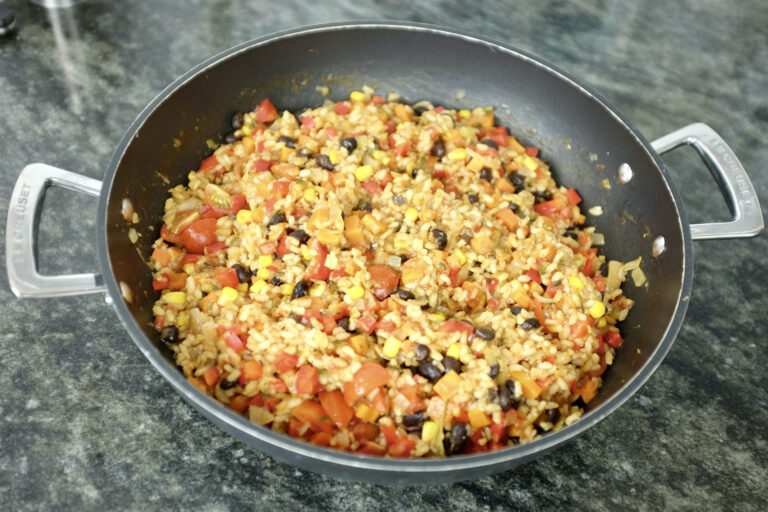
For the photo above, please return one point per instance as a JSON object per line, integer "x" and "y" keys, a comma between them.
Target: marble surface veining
{"x": 87, "y": 424}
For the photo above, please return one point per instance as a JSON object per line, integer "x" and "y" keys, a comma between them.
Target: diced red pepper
{"x": 234, "y": 342}
{"x": 318, "y": 270}
{"x": 312, "y": 412}
{"x": 330, "y": 132}
{"x": 286, "y": 362}
{"x": 189, "y": 258}
{"x": 372, "y": 186}
{"x": 613, "y": 338}
{"x": 211, "y": 376}
{"x": 227, "y": 278}
{"x": 534, "y": 275}
{"x": 307, "y": 380}
{"x": 337, "y": 409}
{"x": 208, "y": 164}
{"x": 238, "y": 203}
{"x": 390, "y": 433}
{"x": 491, "y": 284}
{"x": 573, "y": 197}
{"x": 366, "y": 323}
{"x": 439, "y": 109}
{"x": 269, "y": 205}
{"x": 282, "y": 247}
{"x": 328, "y": 321}
{"x": 451, "y": 326}
{"x": 369, "y": 377}
{"x": 266, "y": 112}
{"x": 308, "y": 122}
{"x": 342, "y": 108}
{"x": 377, "y": 100}
{"x": 532, "y": 151}
{"x": 262, "y": 165}
{"x": 385, "y": 326}
{"x": 250, "y": 370}
{"x": 402, "y": 447}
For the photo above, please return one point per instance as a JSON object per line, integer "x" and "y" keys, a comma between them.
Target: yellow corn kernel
{"x": 359, "y": 344}
{"x": 310, "y": 195}
{"x": 286, "y": 289}
{"x": 602, "y": 322}
{"x": 228, "y": 295}
{"x": 530, "y": 163}
{"x": 400, "y": 126}
{"x": 453, "y": 351}
{"x": 437, "y": 317}
{"x": 378, "y": 154}
{"x": 182, "y": 319}
{"x": 391, "y": 347}
{"x": 460, "y": 256}
{"x": 411, "y": 214}
{"x": 329, "y": 237}
{"x": 363, "y": 172}
{"x": 464, "y": 113}
{"x": 356, "y": 292}
{"x": 243, "y": 217}
{"x": 317, "y": 291}
{"x": 576, "y": 283}
{"x": 448, "y": 384}
{"x": 366, "y": 413}
{"x": 334, "y": 157}
{"x": 457, "y": 154}
{"x": 305, "y": 253}
{"x": 242, "y": 287}
{"x": 402, "y": 241}
{"x": 597, "y": 310}
{"x": 189, "y": 268}
{"x": 247, "y": 129}
{"x": 478, "y": 419}
{"x": 374, "y": 225}
{"x": 265, "y": 260}
{"x": 263, "y": 273}
{"x": 258, "y": 286}
{"x": 429, "y": 431}
{"x": 175, "y": 297}
{"x": 357, "y": 96}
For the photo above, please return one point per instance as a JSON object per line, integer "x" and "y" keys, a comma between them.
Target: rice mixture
{"x": 387, "y": 280}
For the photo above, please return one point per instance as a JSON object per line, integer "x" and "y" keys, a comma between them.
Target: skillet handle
{"x": 730, "y": 176}
{"x": 21, "y": 234}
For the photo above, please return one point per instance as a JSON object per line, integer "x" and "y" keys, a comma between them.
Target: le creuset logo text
{"x": 21, "y": 207}
{"x": 744, "y": 195}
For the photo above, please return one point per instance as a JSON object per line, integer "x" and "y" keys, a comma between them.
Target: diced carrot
{"x": 239, "y": 404}
{"x": 211, "y": 376}
{"x": 588, "y": 391}
{"x": 530, "y": 388}
{"x": 508, "y": 218}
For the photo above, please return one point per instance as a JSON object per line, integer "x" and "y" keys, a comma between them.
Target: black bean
{"x": 486, "y": 174}
{"x": 441, "y": 239}
{"x": 514, "y": 401}
{"x": 466, "y": 235}
{"x": 552, "y": 415}
{"x": 439, "y": 148}
{"x": 299, "y": 320}
{"x": 227, "y": 384}
{"x": 414, "y": 173}
{"x": 170, "y": 334}
{"x": 543, "y": 196}
{"x": 531, "y": 323}
{"x": 517, "y": 180}
{"x": 456, "y": 438}
{"x": 276, "y": 281}
{"x": 493, "y": 395}
{"x": 429, "y": 371}
{"x": 515, "y": 310}
{"x": 484, "y": 333}
{"x": 362, "y": 204}
{"x": 473, "y": 198}
{"x": 350, "y": 143}
{"x": 422, "y": 352}
{"x": 451, "y": 363}
{"x": 398, "y": 199}
{"x": 304, "y": 153}
{"x": 289, "y": 141}
{"x": 603, "y": 271}
{"x": 276, "y": 218}
{"x": 405, "y": 294}
{"x": 490, "y": 143}
{"x": 505, "y": 398}
{"x": 344, "y": 324}
{"x": 514, "y": 207}
{"x": 300, "y": 235}
{"x": 301, "y": 289}
{"x": 237, "y": 120}
{"x": 243, "y": 274}
{"x": 230, "y": 138}
{"x": 420, "y": 110}
{"x": 324, "y": 161}
{"x": 413, "y": 422}
{"x": 494, "y": 370}
{"x": 571, "y": 234}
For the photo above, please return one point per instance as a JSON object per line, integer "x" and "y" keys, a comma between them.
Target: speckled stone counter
{"x": 87, "y": 424}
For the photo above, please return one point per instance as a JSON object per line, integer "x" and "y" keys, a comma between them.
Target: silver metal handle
{"x": 21, "y": 234}
{"x": 730, "y": 176}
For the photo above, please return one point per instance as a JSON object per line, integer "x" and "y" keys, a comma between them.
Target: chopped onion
{"x": 394, "y": 261}
{"x": 638, "y": 276}
{"x": 127, "y": 209}
{"x": 615, "y": 275}
{"x": 598, "y": 239}
{"x": 190, "y": 204}
{"x": 133, "y": 236}
{"x": 632, "y": 265}
{"x": 125, "y": 290}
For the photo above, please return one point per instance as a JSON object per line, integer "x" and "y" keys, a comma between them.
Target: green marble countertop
{"x": 86, "y": 423}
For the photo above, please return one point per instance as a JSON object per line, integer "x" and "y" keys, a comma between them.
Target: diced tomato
{"x": 612, "y": 338}
{"x": 281, "y": 187}
{"x": 573, "y": 197}
{"x": 269, "y": 205}
{"x": 267, "y": 248}
{"x": 534, "y": 275}
{"x": 330, "y": 132}
{"x": 215, "y": 247}
{"x": 342, "y": 108}
{"x": 208, "y": 164}
{"x": 551, "y": 208}
{"x": 391, "y": 126}
{"x": 385, "y": 280}
{"x": 337, "y": 409}
{"x": 211, "y": 376}
{"x": 498, "y": 432}
{"x": 278, "y": 386}
{"x": 312, "y": 412}
{"x": 199, "y": 234}
{"x": 282, "y": 247}
{"x": 178, "y": 280}
{"x": 369, "y": 377}
{"x": 365, "y": 432}
{"x": 599, "y": 283}
{"x": 159, "y": 323}
{"x": 239, "y": 404}
{"x": 189, "y": 258}
{"x": 300, "y": 212}
{"x": 366, "y": 323}
{"x": 377, "y": 100}
{"x": 532, "y": 151}
{"x": 169, "y": 236}
{"x": 250, "y": 370}
{"x": 390, "y": 433}
{"x": 491, "y": 284}
{"x": 385, "y": 326}
{"x": 308, "y": 122}
{"x": 338, "y": 273}
{"x": 402, "y": 447}
{"x": 451, "y": 326}
{"x": 320, "y": 439}
{"x": 161, "y": 281}
{"x": 453, "y": 275}
{"x": 328, "y": 321}
{"x": 318, "y": 270}
{"x": 266, "y": 112}
{"x": 295, "y": 427}
{"x": 261, "y": 165}
{"x": 227, "y": 278}
{"x": 372, "y": 186}
{"x": 307, "y": 380}
{"x": 286, "y": 362}
{"x": 257, "y": 400}
{"x": 209, "y": 212}
{"x": 234, "y": 342}
{"x": 579, "y": 329}
{"x": 238, "y": 203}
{"x": 439, "y": 109}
